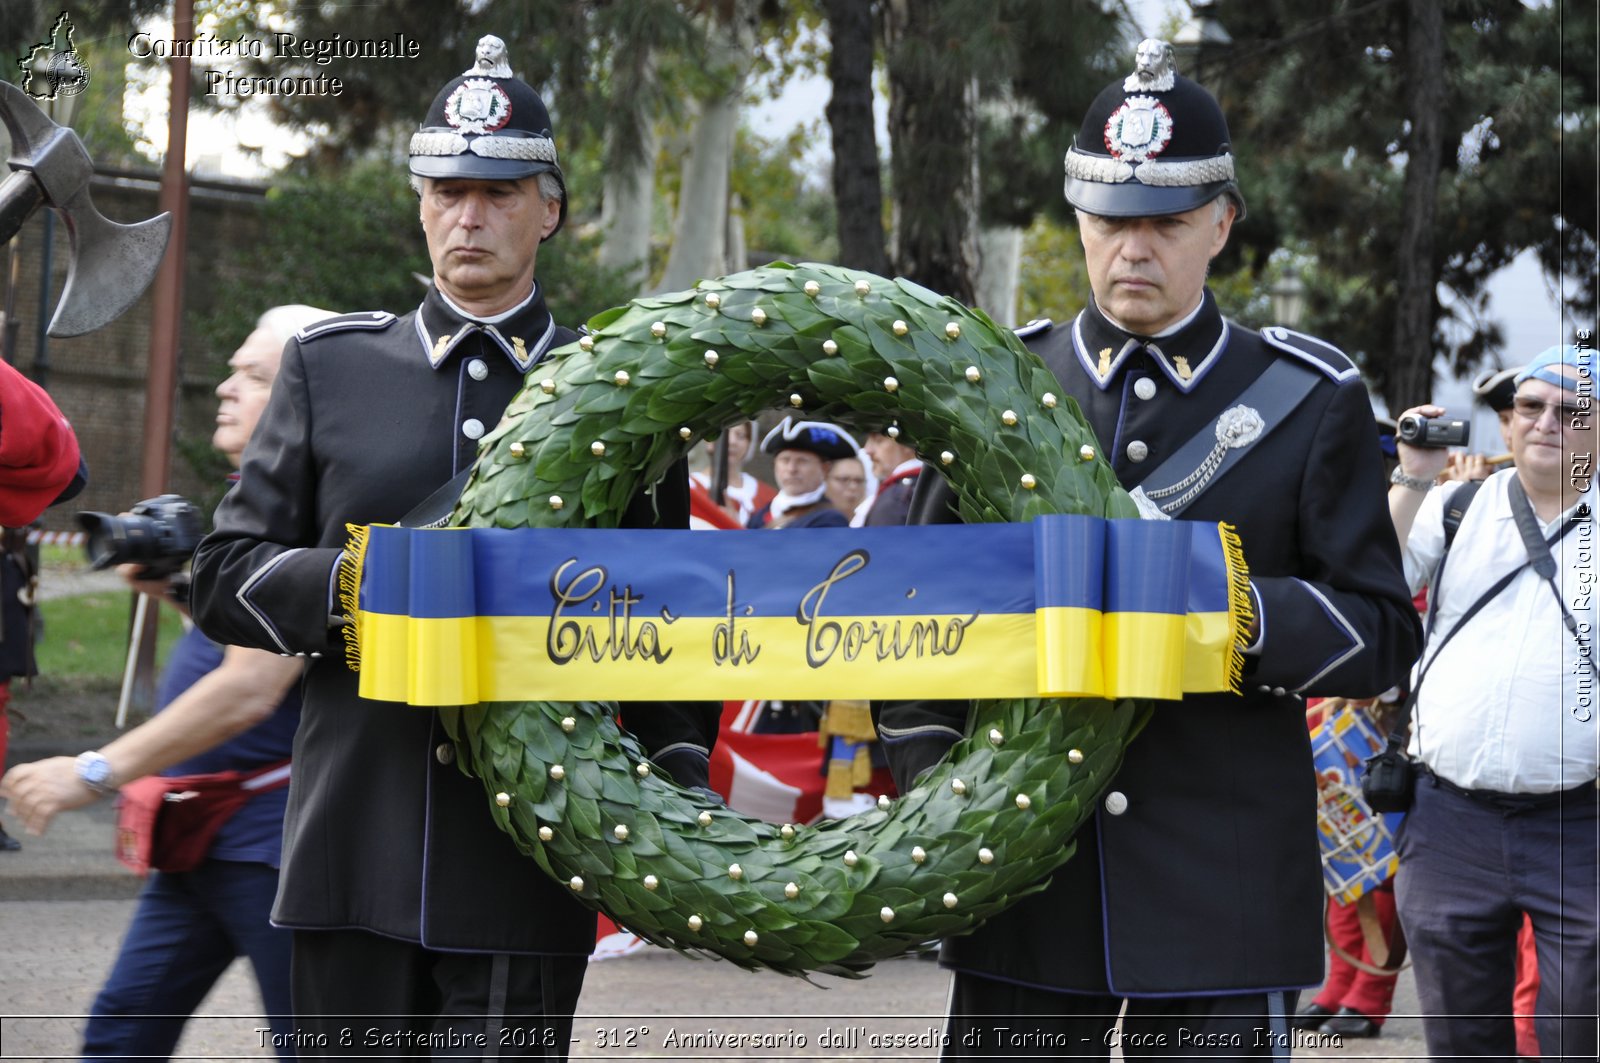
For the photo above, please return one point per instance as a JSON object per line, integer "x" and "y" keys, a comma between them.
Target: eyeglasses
{"x": 1530, "y": 408}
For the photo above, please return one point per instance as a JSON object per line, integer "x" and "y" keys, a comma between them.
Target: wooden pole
{"x": 166, "y": 322}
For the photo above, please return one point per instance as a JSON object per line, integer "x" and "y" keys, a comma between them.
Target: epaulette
{"x": 1034, "y": 327}
{"x": 1322, "y": 356}
{"x": 366, "y": 320}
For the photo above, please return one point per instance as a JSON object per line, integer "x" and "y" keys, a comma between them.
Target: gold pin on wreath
{"x": 983, "y": 828}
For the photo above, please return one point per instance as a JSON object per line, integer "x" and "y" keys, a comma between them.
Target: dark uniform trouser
{"x": 360, "y": 994}
{"x": 991, "y": 1019}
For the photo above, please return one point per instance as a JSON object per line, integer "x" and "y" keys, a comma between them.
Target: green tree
{"x": 1354, "y": 123}
{"x": 857, "y": 177}
{"x": 348, "y": 239}
{"x": 955, "y": 162}
{"x": 788, "y": 213}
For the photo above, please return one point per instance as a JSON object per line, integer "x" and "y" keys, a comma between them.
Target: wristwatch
{"x": 95, "y": 772}
{"x": 1415, "y": 483}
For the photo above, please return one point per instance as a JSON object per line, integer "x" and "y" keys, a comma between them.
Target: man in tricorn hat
{"x": 413, "y": 914}
{"x": 1195, "y": 897}
{"x": 801, "y": 452}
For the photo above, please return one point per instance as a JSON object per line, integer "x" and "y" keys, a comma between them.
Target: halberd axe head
{"x": 112, "y": 264}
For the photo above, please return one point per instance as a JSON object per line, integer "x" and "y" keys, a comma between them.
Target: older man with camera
{"x": 230, "y": 710}
{"x": 1504, "y": 807}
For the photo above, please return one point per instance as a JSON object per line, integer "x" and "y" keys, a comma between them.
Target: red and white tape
{"x": 55, "y": 538}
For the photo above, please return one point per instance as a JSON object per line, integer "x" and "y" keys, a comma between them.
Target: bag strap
{"x": 1539, "y": 555}
{"x": 1455, "y": 511}
{"x": 1402, "y": 722}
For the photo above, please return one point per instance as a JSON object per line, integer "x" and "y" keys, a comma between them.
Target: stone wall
{"x": 99, "y": 380}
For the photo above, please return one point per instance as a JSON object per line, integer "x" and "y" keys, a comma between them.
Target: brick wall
{"x": 98, "y": 380}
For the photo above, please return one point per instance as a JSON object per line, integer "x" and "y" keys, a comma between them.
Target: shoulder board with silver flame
{"x": 1320, "y": 355}
{"x": 1034, "y": 327}
{"x": 367, "y": 320}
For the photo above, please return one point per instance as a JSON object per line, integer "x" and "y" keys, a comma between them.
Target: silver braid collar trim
{"x": 536, "y": 149}
{"x": 1157, "y": 172}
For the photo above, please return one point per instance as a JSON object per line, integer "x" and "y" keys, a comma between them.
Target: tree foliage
{"x": 956, "y": 161}
{"x": 349, "y": 239}
{"x": 1315, "y": 96}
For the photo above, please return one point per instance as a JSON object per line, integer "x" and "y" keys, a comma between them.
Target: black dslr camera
{"x": 159, "y": 533}
{"x": 1434, "y": 433}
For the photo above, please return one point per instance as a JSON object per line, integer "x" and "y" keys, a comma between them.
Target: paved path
{"x": 64, "y": 902}
{"x": 62, "y": 582}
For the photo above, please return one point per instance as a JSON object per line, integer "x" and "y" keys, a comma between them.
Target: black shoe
{"x": 1310, "y": 1017}
{"x": 1350, "y": 1023}
{"x": 8, "y": 844}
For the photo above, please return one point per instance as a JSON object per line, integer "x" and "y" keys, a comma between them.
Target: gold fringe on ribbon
{"x": 355, "y": 552}
{"x": 1241, "y": 613}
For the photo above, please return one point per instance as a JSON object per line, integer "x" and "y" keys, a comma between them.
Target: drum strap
{"x": 1389, "y": 956}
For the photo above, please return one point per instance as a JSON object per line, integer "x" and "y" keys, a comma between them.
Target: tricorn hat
{"x": 1495, "y": 388}
{"x": 487, "y": 125}
{"x": 826, "y": 441}
{"x": 1154, "y": 143}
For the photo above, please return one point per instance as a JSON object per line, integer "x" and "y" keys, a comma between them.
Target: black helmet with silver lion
{"x": 487, "y": 125}
{"x": 1154, "y": 143}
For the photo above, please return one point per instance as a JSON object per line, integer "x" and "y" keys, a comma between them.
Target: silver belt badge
{"x": 1237, "y": 428}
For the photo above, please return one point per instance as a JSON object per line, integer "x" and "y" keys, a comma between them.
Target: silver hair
{"x": 549, "y": 187}
{"x": 284, "y": 321}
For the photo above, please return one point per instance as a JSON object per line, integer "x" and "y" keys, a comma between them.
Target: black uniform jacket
{"x": 893, "y": 502}
{"x": 1199, "y": 872}
{"x": 370, "y": 413}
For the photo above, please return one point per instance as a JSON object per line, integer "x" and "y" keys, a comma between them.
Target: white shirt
{"x": 1510, "y": 704}
{"x": 741, "y": 489}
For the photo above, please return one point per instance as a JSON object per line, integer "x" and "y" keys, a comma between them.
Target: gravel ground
{"x": 64, "y": 581}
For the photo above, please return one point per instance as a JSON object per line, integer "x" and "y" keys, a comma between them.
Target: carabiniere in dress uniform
{"x": 1195, "y": 894}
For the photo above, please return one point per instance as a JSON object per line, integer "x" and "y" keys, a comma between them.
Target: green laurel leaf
{"x": 982, "y": 829}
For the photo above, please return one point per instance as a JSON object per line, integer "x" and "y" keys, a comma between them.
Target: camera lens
{"x": 111, "y": 540}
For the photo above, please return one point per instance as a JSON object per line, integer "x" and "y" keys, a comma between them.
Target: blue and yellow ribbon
{"x": 1063, "y": 606}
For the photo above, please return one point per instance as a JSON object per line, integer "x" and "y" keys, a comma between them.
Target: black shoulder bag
{"x": 1390, "y": 780}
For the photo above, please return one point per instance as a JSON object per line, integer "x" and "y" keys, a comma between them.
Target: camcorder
{"x": 1433, "y": 433}
{"x": 159, "y": 533}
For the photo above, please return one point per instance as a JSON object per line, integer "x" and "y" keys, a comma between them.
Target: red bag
{"x": 168, "y": 822}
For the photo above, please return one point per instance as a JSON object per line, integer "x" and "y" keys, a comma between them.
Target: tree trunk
{"x": 933, "y": 139}
{"x": 857, "y": 183}
{"x": 999, "y": 263}
{"x": 628, "y": 190}
{"x": 738, "y": 256}
{"x": 1411, "y": 378}
{"x": 699, "y": 233}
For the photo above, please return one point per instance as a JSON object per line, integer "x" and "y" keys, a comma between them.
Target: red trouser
{"x": 1527, "y": 991}
{"x": 1349, "y": 987}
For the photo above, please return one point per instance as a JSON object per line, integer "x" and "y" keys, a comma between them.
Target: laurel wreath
{"x": 612, "y": 413}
